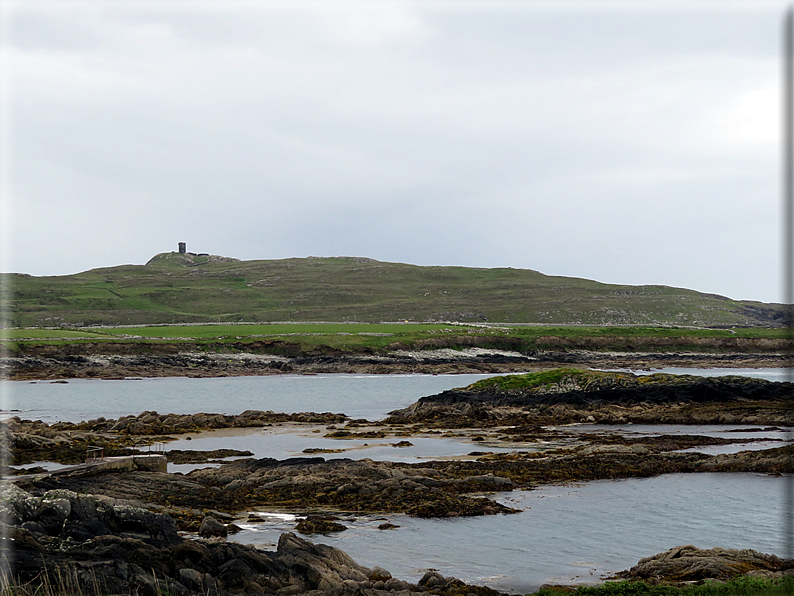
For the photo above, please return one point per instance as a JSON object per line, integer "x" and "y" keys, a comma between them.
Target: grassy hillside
{"x": 173, "y": 288}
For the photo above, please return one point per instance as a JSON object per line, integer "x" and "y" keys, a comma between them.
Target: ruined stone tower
{"x": 182, "y": 248}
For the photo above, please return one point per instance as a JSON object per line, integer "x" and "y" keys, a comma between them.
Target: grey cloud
{"x": 595, "y": 144}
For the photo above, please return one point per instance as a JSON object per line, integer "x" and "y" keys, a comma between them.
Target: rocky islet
{"x": 570, "y": 395}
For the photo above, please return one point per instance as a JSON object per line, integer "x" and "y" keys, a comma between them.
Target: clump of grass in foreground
{"x": 740, "y": 586}
{"x": 60, "y": 585}
{"x": 63, "y": 581}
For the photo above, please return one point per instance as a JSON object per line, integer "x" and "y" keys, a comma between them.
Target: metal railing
{"x": 94, "y": 454}
{"x": 152, "y": 448}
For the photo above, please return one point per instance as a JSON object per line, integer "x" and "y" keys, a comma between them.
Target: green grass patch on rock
{"x": 740, "y": 586}
{"x": 532, "y": 380}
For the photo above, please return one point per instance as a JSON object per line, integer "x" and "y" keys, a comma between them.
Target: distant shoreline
{"x": 58, "y": 365}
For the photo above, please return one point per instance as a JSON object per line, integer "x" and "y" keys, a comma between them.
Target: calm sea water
{"x": 359, "y": 396}
{"x": 564, "y": 533}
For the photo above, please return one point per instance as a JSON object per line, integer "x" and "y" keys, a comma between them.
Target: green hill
{"x": 173, "y": 288}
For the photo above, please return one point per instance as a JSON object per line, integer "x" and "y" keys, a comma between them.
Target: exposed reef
{"x": 453, "y": 488}
{"x": 27, "y": 441}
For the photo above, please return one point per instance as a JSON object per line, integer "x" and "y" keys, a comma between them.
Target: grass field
{"x": 362, "y": 337}
{"x": 239, "y": 331}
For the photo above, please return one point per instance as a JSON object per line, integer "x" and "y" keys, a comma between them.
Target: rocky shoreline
{"x": 61, "y": 364}
{"x": 115, "y": 532}
{"x": 98, "y": 545}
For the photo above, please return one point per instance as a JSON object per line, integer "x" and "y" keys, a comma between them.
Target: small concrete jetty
{"x": 149, "y": 462}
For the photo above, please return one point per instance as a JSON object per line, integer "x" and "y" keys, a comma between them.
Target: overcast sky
{"x": 628, "y": 142}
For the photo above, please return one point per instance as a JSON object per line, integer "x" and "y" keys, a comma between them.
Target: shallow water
{"x": 734, "y": 448}
{"x": 727, "y": 431}
{"x": 291, "y": 441}
{"x": 565, "y": 534}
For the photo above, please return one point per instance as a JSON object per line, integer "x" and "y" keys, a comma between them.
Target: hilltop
{"x": 195, "y": 288}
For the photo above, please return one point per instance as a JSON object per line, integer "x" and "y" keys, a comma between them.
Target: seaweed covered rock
{"x": 348, "y": 485}
{"x": 320, "y": 524}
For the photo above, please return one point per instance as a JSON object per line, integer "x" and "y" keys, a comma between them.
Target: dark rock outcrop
{"x": 689, "y": 563}
{"x": 211, "y": 527}
{"x": 74, "y": 543}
